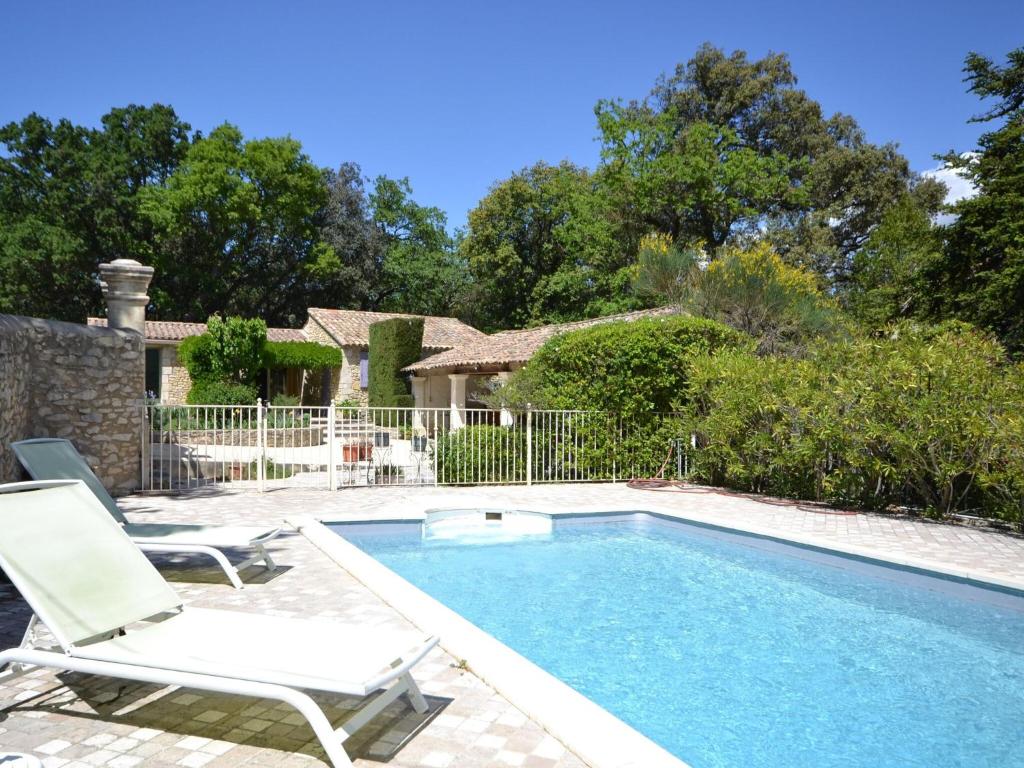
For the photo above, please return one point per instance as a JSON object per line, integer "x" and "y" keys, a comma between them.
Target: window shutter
{"x": 364, "y": 368}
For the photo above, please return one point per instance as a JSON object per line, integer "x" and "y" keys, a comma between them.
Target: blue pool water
{"x": 733, "y": 651}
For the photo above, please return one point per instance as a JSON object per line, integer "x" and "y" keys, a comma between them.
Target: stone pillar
{"x": 419, "y": 394}
{"x": 124, "y": 283}
{"x": 458, "y": 400}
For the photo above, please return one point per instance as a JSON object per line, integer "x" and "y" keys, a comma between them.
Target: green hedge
{"x": 394, "y": 344}
{"x": 633, "y": 368}
{"x": 929, "y": 418}
{"x": 307, "y": 355}
{"x": 221, "y": 393}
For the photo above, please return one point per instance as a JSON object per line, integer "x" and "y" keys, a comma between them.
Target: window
{"x": 364, "y": 368}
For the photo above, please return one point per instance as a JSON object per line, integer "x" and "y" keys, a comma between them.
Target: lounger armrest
{"x": 408, "y": 661}
{"x": 266, "y": 536}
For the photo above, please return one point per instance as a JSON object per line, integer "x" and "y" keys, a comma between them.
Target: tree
{"x": 237, "y": 229}
{"x": 981, "y": 276}
{"x": 726, "y": 146}
{"x": 69, "y": 200}
{"x": 696, "y": 182}
{"x": 422, "y": 270}
{"x": 544, "y": 246}
{"x": 751, "y": 290}
{"x": 348, "y": 271}
{"x": 887, "y": 281}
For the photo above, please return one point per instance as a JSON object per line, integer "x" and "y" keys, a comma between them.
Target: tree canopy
{"x": 725, "y": 155}
{"x": 980, "y": 277}
{"x": 70, "y": 199}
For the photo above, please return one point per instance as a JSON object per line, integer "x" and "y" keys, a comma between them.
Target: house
{"x": 455, "y": 377}
{"x": 167, "y": 379}
{"x": 348, "y": 330}
{"x": 459, "y": 362}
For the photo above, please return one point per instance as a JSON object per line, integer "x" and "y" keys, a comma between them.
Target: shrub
{"x": 481, "y": 454}
{"x": 221, "y": 393}
{"x": 394, "y": 344}
{"x": 231, "y": 350}
{"x": 754, "y": 416}
{"x": 288, "y": 401}
{"x": 634, "y": 368}
{"x": 923, "y": 417}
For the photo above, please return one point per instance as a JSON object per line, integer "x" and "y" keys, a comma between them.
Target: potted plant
{"x": 388, "y": 474}
{"x": 419, "y": 439}
{"x": 353, "y": 452}
{"x": 381, "y": 439}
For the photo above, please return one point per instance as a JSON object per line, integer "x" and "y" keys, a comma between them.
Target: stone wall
{"x": 295, "y": 437}
{"x": 75, "y": 381}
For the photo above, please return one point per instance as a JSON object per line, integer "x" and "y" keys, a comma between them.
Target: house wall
{"x": 174, "y": 379}
{"x": 438, "y": 391}
{"x": 74, "y": 381}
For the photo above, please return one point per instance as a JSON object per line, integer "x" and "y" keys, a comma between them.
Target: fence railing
{"x": 259, "y": 446}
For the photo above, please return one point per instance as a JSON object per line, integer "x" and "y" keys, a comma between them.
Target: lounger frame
{"x": 74, "y": 655}
{"x": 145, "y": 543}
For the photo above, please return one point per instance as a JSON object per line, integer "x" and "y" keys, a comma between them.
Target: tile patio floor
{"x": 74, "y": 721}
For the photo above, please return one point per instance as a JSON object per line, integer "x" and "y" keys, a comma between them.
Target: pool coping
{"x": 926, "y": 565}
{"x": 595, "y": 735}
{"x": 561, "y": 710}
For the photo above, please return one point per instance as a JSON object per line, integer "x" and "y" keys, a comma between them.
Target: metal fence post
{"x": 332, "y": 462}
{"x": 529, "y": 444}
{"x": 437, "y": 436}
{"x": 261, "y": 447}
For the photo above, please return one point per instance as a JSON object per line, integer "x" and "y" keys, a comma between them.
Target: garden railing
{"x": 259, "y": 446}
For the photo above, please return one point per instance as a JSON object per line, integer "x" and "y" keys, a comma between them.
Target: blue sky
{"x": 458, "y": 95}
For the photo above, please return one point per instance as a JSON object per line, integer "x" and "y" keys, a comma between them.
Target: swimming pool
{"x": 730, "y": 650}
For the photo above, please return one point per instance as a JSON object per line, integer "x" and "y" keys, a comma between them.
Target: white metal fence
{"x": 259, "y": 446}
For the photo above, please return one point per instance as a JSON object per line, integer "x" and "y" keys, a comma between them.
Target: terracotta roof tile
{"x": 165, "y": 330}
{"x": 352, "y": 327}
{"x": 518, "y": 346}
{"x": 286, "y": 334}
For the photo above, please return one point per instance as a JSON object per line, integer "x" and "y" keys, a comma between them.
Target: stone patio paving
{"x": 76, "y": 721}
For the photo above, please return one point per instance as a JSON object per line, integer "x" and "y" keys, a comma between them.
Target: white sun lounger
{"x": 112, "y": 614}
{"x": 47, "y": 458}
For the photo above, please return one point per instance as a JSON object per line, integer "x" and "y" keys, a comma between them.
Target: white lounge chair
{"x": 48, "y": 458}
{"x": 112, "y": 614}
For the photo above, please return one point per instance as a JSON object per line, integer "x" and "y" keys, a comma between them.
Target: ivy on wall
{"x": 300, "y": 354}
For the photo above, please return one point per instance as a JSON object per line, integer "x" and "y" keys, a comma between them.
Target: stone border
{"x": 589, "y": 730}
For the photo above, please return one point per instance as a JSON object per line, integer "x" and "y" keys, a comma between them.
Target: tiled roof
{"x": 518, "y": 346}
{"x": 286, "y": 334}
{"x": 351, "y": 328}
{"x": 165, "y": 330}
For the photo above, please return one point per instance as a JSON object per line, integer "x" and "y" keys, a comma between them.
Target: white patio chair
{"x": 112, "y": 614}
{"x": 48, "y": 458}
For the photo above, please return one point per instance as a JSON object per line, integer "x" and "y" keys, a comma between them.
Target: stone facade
{"x": 344, "y": 380}
{"x": 174, "y": 379}
{"x": 75, "y": 381}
